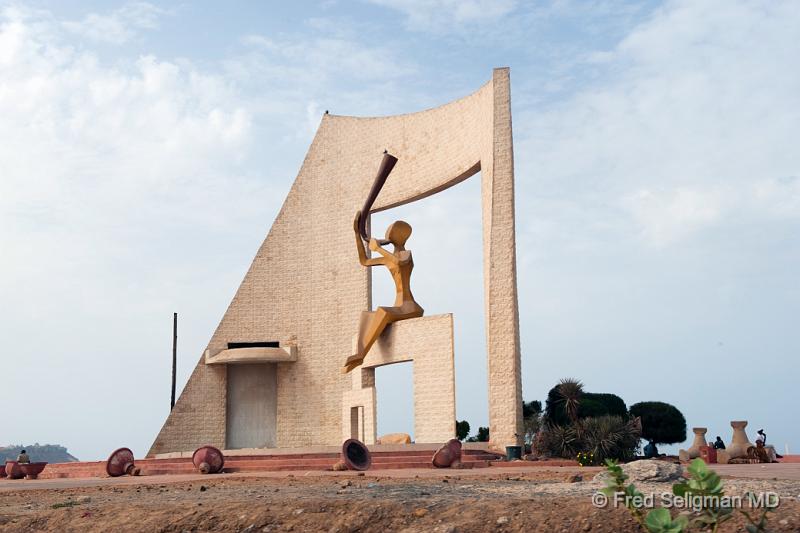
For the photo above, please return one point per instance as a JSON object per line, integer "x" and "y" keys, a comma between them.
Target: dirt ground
{"x": 497, "y": 501}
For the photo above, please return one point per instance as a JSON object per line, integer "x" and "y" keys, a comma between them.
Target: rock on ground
{"x": 647, "y": 470}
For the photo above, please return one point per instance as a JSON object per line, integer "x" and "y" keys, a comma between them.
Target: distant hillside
{"x": 51, "y": 453}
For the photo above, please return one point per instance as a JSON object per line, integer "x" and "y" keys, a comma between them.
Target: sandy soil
{"x": 531, "y": 501}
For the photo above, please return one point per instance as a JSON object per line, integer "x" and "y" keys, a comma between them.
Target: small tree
{"x": 600, "y": 404}
{"x": 462, "y": 429}
{"x": 531, "y": 419}
{"x": 481, "y": 436}
{"x": 661, "y": 422}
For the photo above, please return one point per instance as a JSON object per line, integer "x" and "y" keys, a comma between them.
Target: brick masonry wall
{"x": 305, "y": 282}
{"x": 428, "y": 342}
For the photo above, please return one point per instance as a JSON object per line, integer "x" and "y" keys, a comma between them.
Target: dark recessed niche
{"x": 263, "y": 344}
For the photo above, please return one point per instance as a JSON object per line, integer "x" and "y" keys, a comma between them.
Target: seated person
{"x": 650, "y": 450}
{"x": 23, "y": 457}
{"x": 718, "y": 444}
{"x": 761, "y": 440}
{"x": 760, "y": 453}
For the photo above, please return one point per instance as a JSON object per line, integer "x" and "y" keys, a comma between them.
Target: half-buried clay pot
{"x": 32, "y": 470}
{"x": 355, "y": 455}
{"x": 448, "y": 454}
{"x": 208, "y": 460}
{"x": 120, "y": 462}
{"x": 13, "y": 471}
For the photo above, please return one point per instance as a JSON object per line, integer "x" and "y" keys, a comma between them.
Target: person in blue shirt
{"x": 650, "y": 450}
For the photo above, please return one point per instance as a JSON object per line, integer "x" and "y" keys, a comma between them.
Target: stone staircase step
{"x": 321, "y": 461}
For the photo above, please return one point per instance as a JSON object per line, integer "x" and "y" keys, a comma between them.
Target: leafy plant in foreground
{"x": 752, "y": 525}
{"x": 660, "y": 521}
{"x": 705, "y": 488}
{"x": 616, "y": 485}
{"x": 656, "y": 520}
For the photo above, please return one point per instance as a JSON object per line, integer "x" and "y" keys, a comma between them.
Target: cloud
{"x": 779, "y": 197}
{"x": 136, "y": 186}
{"x": 330, "y": 68}
{"x": 666, "y": 216}
{"x": 118, "y": 26}
{"x": 658, "y": 208}
{"x": 115, "y": 181}
{"x": 443, "y": 16}
{"x": 326, "y": 57}
{"x": 692, "y": 114}
{"x": 86, "y": 145}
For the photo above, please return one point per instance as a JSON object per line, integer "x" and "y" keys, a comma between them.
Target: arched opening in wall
{"x": 395, "y": 398}
{"x": 447, "y": 247}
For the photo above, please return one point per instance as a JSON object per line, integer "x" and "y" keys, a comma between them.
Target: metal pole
{"x": 174, "y": 356}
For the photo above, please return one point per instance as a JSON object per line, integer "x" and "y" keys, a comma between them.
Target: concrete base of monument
{"x": 313, "y": 459}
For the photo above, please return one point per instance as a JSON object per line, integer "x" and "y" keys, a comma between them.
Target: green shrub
{"x": 590, "y": 404}
{"x": 601, "y": 438}
{"x": 558, "y": 441}
{"x": 602, "y": 403}
{"x": 563, "y": 402}
{"x": 609, "y": 437}
{"x": 661, "y": 422}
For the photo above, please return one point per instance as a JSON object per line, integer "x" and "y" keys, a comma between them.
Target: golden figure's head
{"x": 398, "y": 233}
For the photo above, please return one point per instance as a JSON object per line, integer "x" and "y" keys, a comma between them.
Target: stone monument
{"x": 271, "y": 376}
{"x": 694, "y": 449}
{"x": 739, "y": 443}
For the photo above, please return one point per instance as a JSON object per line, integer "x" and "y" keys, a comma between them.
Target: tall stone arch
{"x": 310, "y": 302}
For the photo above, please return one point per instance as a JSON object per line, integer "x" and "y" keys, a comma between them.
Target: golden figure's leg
{"x": 371, "y": 327}
{"x": 363, "y": 323}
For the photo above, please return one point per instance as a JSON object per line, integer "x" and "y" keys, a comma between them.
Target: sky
{"x": 146, "y": 149}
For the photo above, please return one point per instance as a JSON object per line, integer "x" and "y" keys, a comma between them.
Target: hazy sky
{"x": 145, "y": 150}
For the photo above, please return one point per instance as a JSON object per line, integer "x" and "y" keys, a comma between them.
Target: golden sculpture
{"x": 400, "y": 264}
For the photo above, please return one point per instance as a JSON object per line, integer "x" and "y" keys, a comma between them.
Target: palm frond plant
{"x": 570, "y": 391}
{"x": 609, "y": 437}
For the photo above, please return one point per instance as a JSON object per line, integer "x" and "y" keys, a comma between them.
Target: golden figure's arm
{"x": 376, "y": 247}
{"x": 362, "y": 254}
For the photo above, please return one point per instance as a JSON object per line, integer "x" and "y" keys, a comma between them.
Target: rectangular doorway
{"x": 252, "y": 406}
{"x": 357, "y": 423}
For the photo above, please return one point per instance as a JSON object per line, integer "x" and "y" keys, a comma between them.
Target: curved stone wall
{"x": 305, "y": 285}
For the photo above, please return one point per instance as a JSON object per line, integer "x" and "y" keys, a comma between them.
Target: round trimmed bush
{"x": 661, "y": 422}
